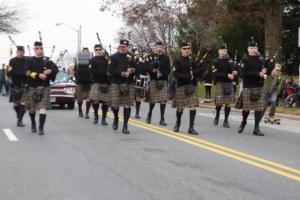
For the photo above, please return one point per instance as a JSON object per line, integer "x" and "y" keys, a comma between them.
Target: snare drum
{"x": 142, "y": 82}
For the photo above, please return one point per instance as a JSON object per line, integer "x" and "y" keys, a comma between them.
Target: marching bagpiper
{"x": 253, "y": 74}
{"x": 141, "y": 70}
{"x": 224, "y": 75}
{"x": 186, "y": 73}
{"x": 159, "y": 70}
{"x": 16, "y": 71}
{"x": 121, "y": 68}
{"x": 83, "y": 81}
{"x": 40, "y": 70}
{"x": 99, "y": 92}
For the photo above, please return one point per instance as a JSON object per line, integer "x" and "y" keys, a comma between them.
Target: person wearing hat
{"x": 253, "y": 74}
{"x": 224, "y": 75}
{"x": 100, "y": 85}
{"x": 16, "y": 71}
{"x": 159, "y": 70}
{"x": 40, "y": 71}
{"x": 83, "y": 81}
{"x": 186, "y": 73}
{"x": 121, "y": 69}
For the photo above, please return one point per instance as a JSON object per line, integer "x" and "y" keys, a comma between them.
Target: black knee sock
{"x": 104, "y": 111}
{"x": 245, "y": 116}
{"x": 257, "y": 118}
{"x": 137, "y": 105}
{"x": 116, "y": 113}
{"x": 162, "y": 111}
{"x": 151, "y": 107}
{"x": 32, "y": 117}
{"x": 96, "y": 109}
{"x": 178, "y": 116}
{"x": 218, "y": 109}
{"x": 42, "y": 121}
{"x": 79, "y": 106}
{"x": 88, "y": 106}
{"x": 127, "y": 112}
{"x": 227, "y": 112}
{"x": 17, "y": 108}
{"x": 21, "y": 112}
{"x": 192, "y": 118}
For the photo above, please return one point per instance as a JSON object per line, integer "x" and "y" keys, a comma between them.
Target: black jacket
{"x": 99, "y": 69}
{"x": 251, "y": 67}
{"x": 161, "y": 63}
{"x": 16, "y": 71}
{"x": 120, "y": 63}
{"x": 221, "y": 68}
{"x": 35, "y": 66}
{"x": 183, "y": 67}
{"x": 141, "y": 68}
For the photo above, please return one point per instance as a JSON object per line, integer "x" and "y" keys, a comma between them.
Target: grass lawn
{"x": 291, "y": 111}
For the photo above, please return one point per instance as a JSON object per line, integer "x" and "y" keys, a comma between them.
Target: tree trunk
{"x": 273, "y": 27}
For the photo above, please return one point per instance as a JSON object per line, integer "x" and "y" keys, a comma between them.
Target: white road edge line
{"x": 10, "y": 135}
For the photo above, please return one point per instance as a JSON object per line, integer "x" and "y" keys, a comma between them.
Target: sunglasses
{"x": 38, "y": 48}
{"x": 186, "y": 48}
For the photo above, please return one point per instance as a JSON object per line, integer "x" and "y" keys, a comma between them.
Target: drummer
{"x": 140, "y": 78}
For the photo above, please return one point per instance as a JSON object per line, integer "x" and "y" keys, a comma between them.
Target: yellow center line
{"x": 223, "y": 148}
{"x": 218, "y": 149}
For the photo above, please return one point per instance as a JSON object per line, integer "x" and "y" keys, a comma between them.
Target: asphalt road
{"x": 77, "y": 160}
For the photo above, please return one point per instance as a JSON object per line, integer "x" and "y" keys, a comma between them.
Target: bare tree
{"x": 9, "y": 19}
{"x": 148, "y": 21}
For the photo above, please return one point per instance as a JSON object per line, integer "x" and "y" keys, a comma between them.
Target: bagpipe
{"x": 102, "y": 47}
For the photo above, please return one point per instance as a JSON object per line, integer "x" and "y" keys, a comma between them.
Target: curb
{"x": 279, "y": 115}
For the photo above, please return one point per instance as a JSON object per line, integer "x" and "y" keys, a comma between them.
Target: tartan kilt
{"x": 116, "y": 100}
{"x": 45, "y": 102}
{"x": 155, "y": 95}
{"x": 97, "y": 95}
{"x": 23, "y": 99}
{"x": 220, "y": 97}
{"x": 253, "y": 105}
{"x": 138, "y": 92}
{"x": 82, "y": 92}
{"x": 183, "y": 100}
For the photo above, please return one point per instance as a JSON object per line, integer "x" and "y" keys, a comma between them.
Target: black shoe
{"x": 96, "y": 120}
{"x": 162, "y": 122}
{"x": 137, "y": 116}
{"x": 41, "y": 132}
{"x": 20, "y": 124}
{"x": 193, "y": 132}
{"x": 176, "y": 127}
{"x": 104, "y": 123}
{"x": 80, "y": 114}
{"x": 33, "y": 128}
{"x": 115, "y": 125}
{"x": 242, "y": 127}
{"x": 125, "y": 130}
{"x": 226, "y": 124}
{"x": 148, "y": 120}
{"x": 257, "y": 132}
{"x": 216, "y": 121}
{"x": 86, "y": 116}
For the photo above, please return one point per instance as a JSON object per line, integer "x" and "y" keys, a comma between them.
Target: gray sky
{"x": 42, "y": 15}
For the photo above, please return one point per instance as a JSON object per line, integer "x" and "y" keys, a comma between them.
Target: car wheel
{"x": 71, "y": 105}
